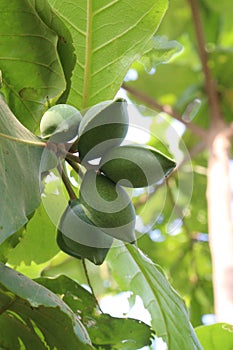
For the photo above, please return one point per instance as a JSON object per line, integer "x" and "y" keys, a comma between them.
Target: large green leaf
{"x": 65, "y": 46}
{"x": 105, "y": 331}
{"x": 35, "y": 317}
{"x": 73, "y": 294}
{"x": 108, "y": 332}
{"x": 19, "y": 174}
{"x": 29, "y": 60}
{"x": 168, "y": 312}
{"x": 218, "y": 336}
{"x": 108, "y": 37}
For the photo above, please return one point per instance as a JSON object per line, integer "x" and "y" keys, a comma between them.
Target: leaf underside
{"x": 168, "y": 312}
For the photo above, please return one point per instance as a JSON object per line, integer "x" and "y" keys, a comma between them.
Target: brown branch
{"x": 150, "y": 102}
{"x": 66, "y": 182}
{"x": 76, "y": 167}
{"x": 73, "y": 157}
{"x": 210, "y": 85}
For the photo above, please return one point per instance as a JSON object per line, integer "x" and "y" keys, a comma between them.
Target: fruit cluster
{"x": 104, "y": 210}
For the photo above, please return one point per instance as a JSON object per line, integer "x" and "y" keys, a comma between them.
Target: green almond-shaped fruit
{"x": 108, "y": 206}
{"x": 79, "y": 237}
{"x": 60, "y": 123}
{"x": 79, "y": 251}
{"x": 136, "y": 166}
{"x": 103, "y": 126}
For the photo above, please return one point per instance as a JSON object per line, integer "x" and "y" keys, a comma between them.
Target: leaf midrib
{"x": 87, "y": 68}
{"x": 145, "y": 275}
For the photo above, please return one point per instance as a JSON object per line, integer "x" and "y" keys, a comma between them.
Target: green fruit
{"x": 60, "y": 123}
{"x": 79, "y": 237}
{"x": 77, "y": 250}
{"x": 108, "y": 206}
{"x": 136, "y": 166}
{"x": 103, "y": 126}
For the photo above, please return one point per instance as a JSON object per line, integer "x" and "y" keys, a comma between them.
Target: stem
{"x": 210, "y": 85}
{"x": 88, "y": 56}
{"x": 166, "y": 109}
{"x": 26, "y": 142}
{"x": 73, "y": 157}
{"x": 76, "y": 167}
{"x": 89, "y": 283}
{"x": 66, "y": 182}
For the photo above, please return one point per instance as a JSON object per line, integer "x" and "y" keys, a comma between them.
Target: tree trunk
{"x": 220, "y": 224}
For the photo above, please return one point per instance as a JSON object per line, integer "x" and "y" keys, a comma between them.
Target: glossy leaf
{"x": 33, "y": 73}
{"x": 105, "y": 53}
{"x": 34, "y": 316}
{"x": 168, "y": 311}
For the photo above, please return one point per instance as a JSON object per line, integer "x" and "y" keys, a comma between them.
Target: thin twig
{"x": 89, "y": 283}
{"x": 76, "y": 167}
{"x": 25, "y": 142}
{"x": 73, "y": 157}
{"x": 150, "y": 102}
{"x": 66, "y": 182}
{"x": 210, "y": 85}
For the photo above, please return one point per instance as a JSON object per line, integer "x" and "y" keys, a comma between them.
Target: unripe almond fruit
{"x": 60, "y": 123}
{"x": 108, "y": 206}
{"x": 79, "y": 237}
{"x": 103, "y": 126}
{"x": 136, "y": 166}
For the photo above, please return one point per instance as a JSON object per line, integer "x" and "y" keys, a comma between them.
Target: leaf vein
{"x": 123, "y": 33}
